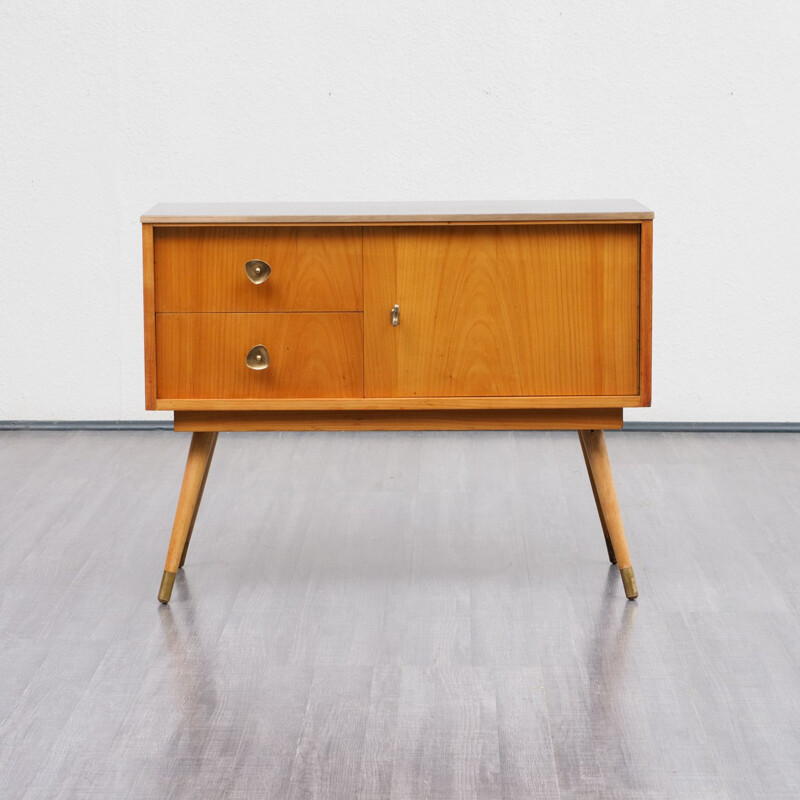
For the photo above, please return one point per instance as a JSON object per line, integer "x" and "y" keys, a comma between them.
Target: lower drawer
{"x": 205, "y": 355}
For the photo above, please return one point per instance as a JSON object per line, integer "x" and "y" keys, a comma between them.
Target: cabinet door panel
{"x": 487, "y": 311}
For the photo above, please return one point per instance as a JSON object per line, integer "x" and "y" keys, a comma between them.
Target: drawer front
{"x": 203, "y": 356}
{"x": 311, "y": 269}
{"x": 528, "y": 310}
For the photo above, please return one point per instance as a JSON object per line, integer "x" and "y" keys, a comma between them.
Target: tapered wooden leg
{"x": 599, "y": 468}
{"x": 610, "y": 547}
{"x": 198, "y": 501}
{"x": 194, "y": 480}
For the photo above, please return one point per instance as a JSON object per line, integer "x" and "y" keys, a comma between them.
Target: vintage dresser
{"x": 394, "y": 316}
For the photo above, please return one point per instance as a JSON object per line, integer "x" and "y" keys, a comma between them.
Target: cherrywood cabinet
{"x": 392, "y": 316}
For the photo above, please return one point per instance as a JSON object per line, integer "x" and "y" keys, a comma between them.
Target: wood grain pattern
{"x": 336, "y": 716}
{"x": 202, "y": 269}
{"x": 691, "y": 693}
{"x": 547, "y": 419}
{"x": 646, "y": 312}
{"x": 312, "y": 355}
{"x": 447, "y": 716}
{"x": 535, "y": 311}
{"x": 148, "y": 286}
{"x": 519, "y": 346}
{"x": 397, "y": 212}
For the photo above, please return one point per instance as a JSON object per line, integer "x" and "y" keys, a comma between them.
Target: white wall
{"x": 692, "y": 108}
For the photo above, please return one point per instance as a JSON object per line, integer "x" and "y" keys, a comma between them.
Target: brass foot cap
{"x": 629, "y": 582}
{"x": 167, "y": 582}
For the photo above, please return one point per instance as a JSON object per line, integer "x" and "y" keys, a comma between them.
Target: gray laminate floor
{"x": 399, "y": 616}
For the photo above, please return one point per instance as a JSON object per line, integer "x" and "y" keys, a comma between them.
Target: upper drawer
{"x": 311, "y": 269}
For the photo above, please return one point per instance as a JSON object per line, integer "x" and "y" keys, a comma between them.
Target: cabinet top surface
{"x": 389, "y": 212}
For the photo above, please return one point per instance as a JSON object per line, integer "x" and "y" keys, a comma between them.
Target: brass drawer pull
{"x": 257, "y": 270}
{"x": 258, "y": 357}
{"x": 395, "y": 316}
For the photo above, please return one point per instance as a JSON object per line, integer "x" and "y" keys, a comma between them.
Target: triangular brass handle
{"x": 257, "y": 270}
{"x": 257, "y": 357}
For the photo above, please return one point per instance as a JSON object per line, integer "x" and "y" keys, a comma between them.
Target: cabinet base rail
{"x": 514, "y": 419}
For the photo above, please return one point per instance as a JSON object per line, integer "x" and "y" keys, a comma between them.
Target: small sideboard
{"x": 398, "y": 316}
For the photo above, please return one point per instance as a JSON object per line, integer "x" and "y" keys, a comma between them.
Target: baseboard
{"x": 86, "y": 425}
{"x": 714, "y": 427}
{"x": 166, "y": 425}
